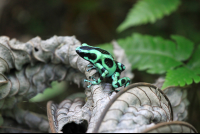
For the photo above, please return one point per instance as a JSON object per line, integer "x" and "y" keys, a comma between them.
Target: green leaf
{"x": 184, "y": 49}
{"x": 145, "y": 11}
{"x": 158, "y": 55}
{"x": 194, "y": 62}
{"x": 49, "y": 93}
{"x": 187, "y": 74}
{"x": 155, "y": 54}
{"x": 181, "y": 77}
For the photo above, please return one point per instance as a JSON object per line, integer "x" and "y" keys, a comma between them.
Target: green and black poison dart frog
{"x": 104, "y": 62}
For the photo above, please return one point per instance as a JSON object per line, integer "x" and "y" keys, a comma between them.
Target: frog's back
{"x": 109, "y": 64}
{"x": 103, "y": 51}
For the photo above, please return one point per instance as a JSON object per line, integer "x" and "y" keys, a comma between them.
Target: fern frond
{"x": 185, "y": 75}
{"x": 181, "y": 77}
{"x": 145, "y": 11}
{"x": 155, "y": 54}
{"x": 194, "y": 62}
{"x": 158, "y": 56}
{"x": 184, "y": 49}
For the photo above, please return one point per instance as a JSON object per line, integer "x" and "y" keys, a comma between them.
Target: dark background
{"x": 95, "y": 22}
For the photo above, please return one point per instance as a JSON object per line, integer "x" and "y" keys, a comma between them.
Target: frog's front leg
{"x": 103, "y": 75}
{"x": 91, "y": 67}
{"x": 117, "y": 82}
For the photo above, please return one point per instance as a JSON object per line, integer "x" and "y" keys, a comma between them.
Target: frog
{"x": 104, "y": 63}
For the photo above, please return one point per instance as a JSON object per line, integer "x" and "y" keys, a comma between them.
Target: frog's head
{"x": 87, "y": 52}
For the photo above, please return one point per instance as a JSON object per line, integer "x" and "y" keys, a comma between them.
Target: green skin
{"x": 104, "y": 63}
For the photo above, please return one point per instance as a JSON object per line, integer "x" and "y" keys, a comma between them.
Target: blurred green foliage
{"x": 154, "y": 54}
{"x": 145, "y": 11}
{"x": 50, "y": 93}
{"x": 158, "y": 56}
{"x": 185, "y": 74}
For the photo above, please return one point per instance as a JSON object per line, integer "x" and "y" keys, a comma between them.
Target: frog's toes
{"x": 91, "y": 77}
{"x": 92, "y": 67}
{"x": 87, "y": 80}
{"x": 89, "y": 86}
{"x": 89, "y": 65}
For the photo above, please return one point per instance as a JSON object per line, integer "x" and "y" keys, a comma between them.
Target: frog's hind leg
{"x": 117, "y": 82}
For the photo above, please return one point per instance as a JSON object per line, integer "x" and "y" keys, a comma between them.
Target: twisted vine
{"x": 26, "y": 69}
